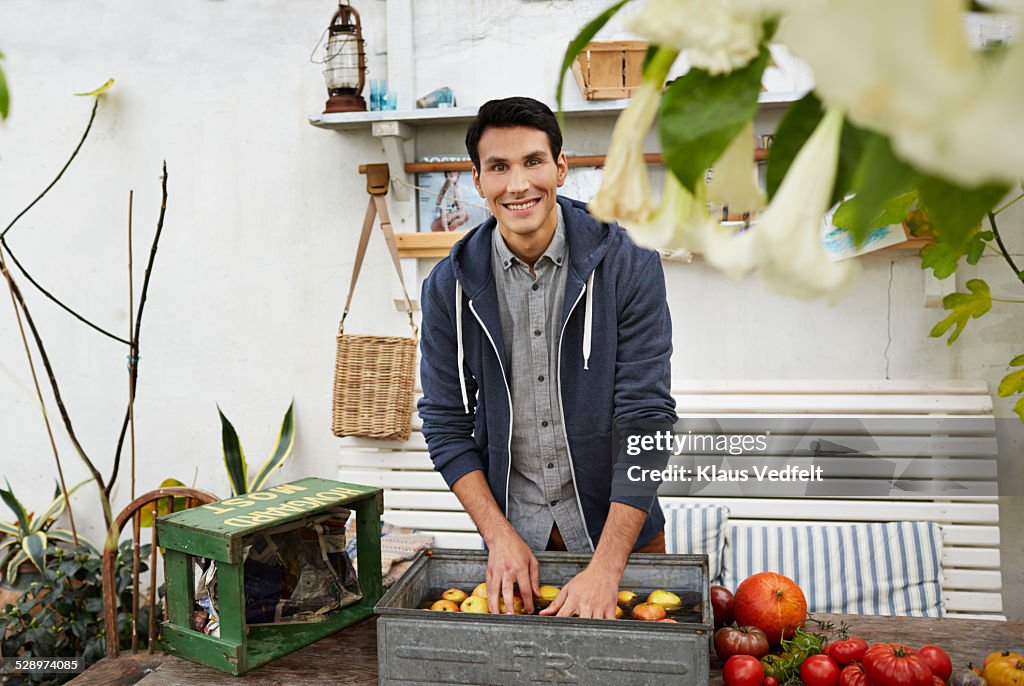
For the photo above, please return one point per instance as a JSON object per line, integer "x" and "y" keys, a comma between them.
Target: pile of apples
{"x": 655, "y": 608}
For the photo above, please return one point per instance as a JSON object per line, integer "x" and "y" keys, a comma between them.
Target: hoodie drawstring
{"x": 588, "y": 320}
{"x": 458, "y": 345}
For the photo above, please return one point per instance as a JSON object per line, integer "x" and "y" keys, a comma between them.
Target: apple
{"x": 474, "y": 604}
{"x": 627, "y": 599}
{"x": 518, "y": 608}
{"x": 546, "y": 597}
{"x": 619, "y": 612}
{"x": 649, "y": 612}
{"x": 480, "y": 590}
{"x": 444, "y": 606}
{"x": 669, "y": 620}
{"x": 670, "y": 601}
{"x": 456, "y": 595}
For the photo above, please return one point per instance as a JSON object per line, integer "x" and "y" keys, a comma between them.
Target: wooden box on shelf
{"x": 609, "y": 70}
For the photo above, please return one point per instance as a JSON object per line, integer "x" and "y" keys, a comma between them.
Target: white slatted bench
{"x": 957, "y": 413}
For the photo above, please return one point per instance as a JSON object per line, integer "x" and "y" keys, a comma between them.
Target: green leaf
{"x": 234, "y": 458}
{"x": 69, "y": 537}
{"x": 16, "y": 507}
{"x": 13, "y": 564}
{"x": 879, "y": 180}
{"x": 964, "y": 306}
{"x": 146, "y": 519}
{"x": 797, "y": 125}
{"x": 956, "y": 212}
{"x": 101, "y": 90}
{"x": 576, "y": 47}
{"x": 701, "y": 114}
{"x": 6, "y": 528}
{"x": 1013, "y": 382}
{"x": 35, "y": 547}
{"x": 1018, "y": 407}
{"x": 5, "y": 95}
{"x": 283, "y": 448}
{"x": 55, "y": 508}
{"x": 976, "y": 245}
{"x": 941, "y": 258}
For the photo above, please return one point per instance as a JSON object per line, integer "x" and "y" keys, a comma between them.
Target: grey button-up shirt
{"x": 541, "y": 487}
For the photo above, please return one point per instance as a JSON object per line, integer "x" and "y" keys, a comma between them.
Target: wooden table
{"x": 349, "y": 657}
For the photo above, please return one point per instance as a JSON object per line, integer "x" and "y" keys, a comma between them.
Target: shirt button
{"x": 553, "y": 503}
{"x": 540, "y": 378}
{"x": 536, "y": 332}
{"x": 535, "y": 286}
{"x": 544, "y": 423}
{"x": 551, "y": 465}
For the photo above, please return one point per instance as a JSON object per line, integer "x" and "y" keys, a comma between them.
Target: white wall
{"x": 262, "y": 220}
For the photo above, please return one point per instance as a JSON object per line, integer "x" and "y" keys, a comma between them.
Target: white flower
{"x": 789, "y": 232}
{"x": 906, "y": 69}
{"x": 717, "y": 35}
{"x": 677, "y": 224}
{"x": 734, "y": 181}
{"x": 625, "y": 193}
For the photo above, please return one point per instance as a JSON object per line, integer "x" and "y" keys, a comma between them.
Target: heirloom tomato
{"x": 895, "y": 664}
{"x": 937, "y": 660}
{"x": 721, "y": 605}
{"x": 742, "y": 670}
{"x": 999, "y": 655}
{"x": 853, "y": 675}
{"x": 744, "y": 640}
{"x": 1006, "y": 671}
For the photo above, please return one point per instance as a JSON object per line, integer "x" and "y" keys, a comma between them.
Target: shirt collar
{"x": 555, "y": 252}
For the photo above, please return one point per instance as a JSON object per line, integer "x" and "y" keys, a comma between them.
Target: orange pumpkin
{"x": 771, "y": 602}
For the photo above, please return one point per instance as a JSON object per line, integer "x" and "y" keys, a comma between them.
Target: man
{"x": 543, "y": 332}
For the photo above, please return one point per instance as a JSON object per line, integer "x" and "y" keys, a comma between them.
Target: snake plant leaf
{"x": 34, "y": 546}
{"x": 161, "y": 506}
{"x": 10, "y": 529}
{"x": 19, "y": 511}
{"x": 577, "y": 45}
{"x": 68, "y": 537}
{"x": 285, "y": 443}
{"x": 55, "y": 508}
{"x": 234, "y": 458}
{"x": 13, "y": 564}
{"x": 8, "y": 541}
{"x": 964, "y": 306}
{"x": 99, "y": 91}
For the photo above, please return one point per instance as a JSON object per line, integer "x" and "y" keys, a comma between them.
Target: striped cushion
{"x": 889, "y": 568}
{"x": 698, "y": 529}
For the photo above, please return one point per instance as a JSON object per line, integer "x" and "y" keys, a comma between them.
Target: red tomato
{"x": 848, "y": 651}
{"x": 894, "y": 664}
{"x": 937, "y": 660}
{"x": 770, "y": 681}
{"x": 819, "y": 670}
{"x": 937, "y": 681}
{"x": 743, "y": 670}
{"x": 721, "y": 605}
{"x": 853, "y": 675}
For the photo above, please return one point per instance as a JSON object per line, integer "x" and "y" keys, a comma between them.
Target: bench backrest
{"x": 955, "y": 416}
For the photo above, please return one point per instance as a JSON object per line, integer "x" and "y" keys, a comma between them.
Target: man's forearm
{"x": 618, "y": 538}
{"x": 474, "y": 493}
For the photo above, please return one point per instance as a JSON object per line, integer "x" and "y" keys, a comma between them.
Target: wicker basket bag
{"x": 374, "y": 376}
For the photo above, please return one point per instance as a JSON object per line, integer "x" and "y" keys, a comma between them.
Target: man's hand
{"x": 510, "y": 561}
{"x": 591, "y": 593}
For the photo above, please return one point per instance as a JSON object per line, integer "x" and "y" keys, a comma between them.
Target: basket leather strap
{"x": 377, "y": 205}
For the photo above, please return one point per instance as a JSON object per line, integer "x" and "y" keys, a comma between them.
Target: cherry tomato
{"x": 848, "y": 651}
{"x": 770, "y": 681}
{"x": 743, "y": 670}
{"x": 937, "y": 660}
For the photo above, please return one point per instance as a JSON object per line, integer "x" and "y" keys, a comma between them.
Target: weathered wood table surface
{"x": 349, "y": 657}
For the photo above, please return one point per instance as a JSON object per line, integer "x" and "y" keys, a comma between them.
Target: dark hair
{"x": 508, "y": 113}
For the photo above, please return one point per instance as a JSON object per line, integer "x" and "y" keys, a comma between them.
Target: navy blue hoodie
{"x": 613, "y": 373}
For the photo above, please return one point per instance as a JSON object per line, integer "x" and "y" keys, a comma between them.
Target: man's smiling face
{"x": 519, "y": 179}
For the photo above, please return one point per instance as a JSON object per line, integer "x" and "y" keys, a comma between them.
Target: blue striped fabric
{"x": 892, "y": 568}
{"x": 697, "y": 529}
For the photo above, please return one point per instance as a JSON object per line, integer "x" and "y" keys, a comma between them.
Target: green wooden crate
{"x": 216, "y": 531}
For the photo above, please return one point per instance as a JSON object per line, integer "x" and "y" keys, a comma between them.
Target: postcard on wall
{"x": 839, "y": 244}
